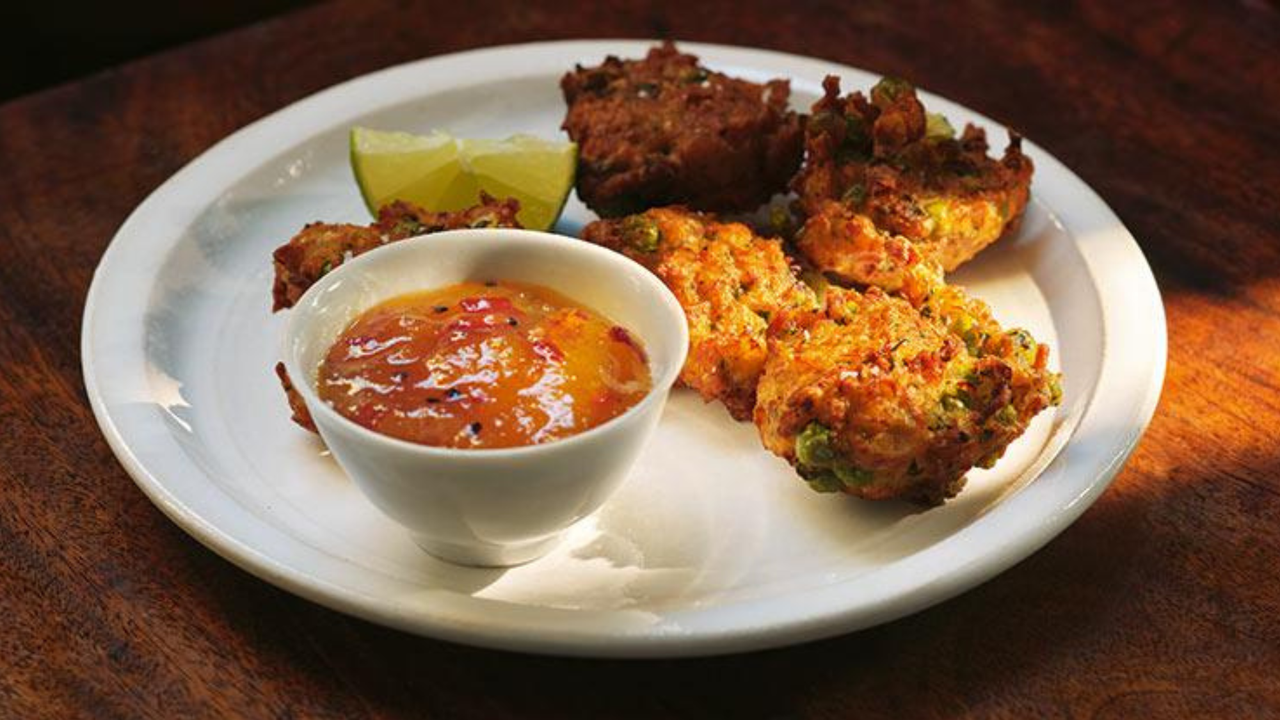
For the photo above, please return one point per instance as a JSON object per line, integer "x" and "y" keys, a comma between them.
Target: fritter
{"x": 297, "y": 406}
{"x": 320, "y": 247}
{"x": 878, "y": 398}
{"x": 847, "y": 244}
{"x": 665, "y": 130}
{"x": 883, "y": 169}
{"x": 731, "y": 284}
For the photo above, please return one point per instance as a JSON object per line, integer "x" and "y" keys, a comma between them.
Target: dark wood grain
{"x": 1162, "y": 601}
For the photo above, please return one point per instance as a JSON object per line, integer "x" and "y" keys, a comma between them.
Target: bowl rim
{"x": 547, "y": 242}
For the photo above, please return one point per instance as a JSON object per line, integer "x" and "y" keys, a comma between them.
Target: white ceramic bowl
{"x": 491, "y": 507}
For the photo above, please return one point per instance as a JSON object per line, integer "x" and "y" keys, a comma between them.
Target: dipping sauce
{"x": 483, "y": 365}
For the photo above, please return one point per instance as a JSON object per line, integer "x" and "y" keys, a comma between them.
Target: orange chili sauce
{"x": 483, "y": 365}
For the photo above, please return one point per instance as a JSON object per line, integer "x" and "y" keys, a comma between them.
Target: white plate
{"x": 713, "y": 545}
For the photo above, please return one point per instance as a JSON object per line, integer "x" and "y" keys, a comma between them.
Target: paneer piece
{"x": 320, "y": 247}
{"x": 665, "y": 130}
{"x": 880, "y": 398}
{"x": 731, "y": 284}
{"x": 882, "y": 170}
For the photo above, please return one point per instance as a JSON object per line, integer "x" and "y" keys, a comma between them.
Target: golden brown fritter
{"x": 665, "y": 130}
{"x": 848, "y": 245}
{"x": 320, "y": 247}
{"x": 729, "y": 281}
{"x": 883, "y": 169}
{"x": 878, "y": 398}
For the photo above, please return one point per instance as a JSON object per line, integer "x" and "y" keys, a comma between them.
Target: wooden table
{"x": 1162, "y": 601}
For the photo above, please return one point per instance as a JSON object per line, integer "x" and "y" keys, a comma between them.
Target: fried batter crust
{"x": 731, "y": 284}
{"x": 886, "y": 161}
{"x": 881, "y": 398}
{"x": 847, "y": 245}
{"x": 320, "y": 247}
{"x": 301, "y": 415}
{"x": 665, "y": 130}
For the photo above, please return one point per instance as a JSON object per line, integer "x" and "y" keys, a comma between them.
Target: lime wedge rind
{"x": 442, "y": 173}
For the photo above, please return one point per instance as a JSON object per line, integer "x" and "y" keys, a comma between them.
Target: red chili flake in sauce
{"x": 548, "y": 351}
{"x": 620, "y": 334}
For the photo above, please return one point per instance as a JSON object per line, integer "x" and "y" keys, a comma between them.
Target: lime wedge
{"x": 440, "y": 172}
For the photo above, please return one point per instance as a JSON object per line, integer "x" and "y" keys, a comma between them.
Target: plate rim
{"x": 734, "y": 628}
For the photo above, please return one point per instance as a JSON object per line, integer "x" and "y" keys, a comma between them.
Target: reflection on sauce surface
{"x": 483, "y": 365}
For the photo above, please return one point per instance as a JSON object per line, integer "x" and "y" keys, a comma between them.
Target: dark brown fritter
{"x": 887, "y": 160}
{"x": 320, "y": 247}
{"x": 665, "y": 130}
{"x": 301, "y": 414}
{"x": 730, "y": 282}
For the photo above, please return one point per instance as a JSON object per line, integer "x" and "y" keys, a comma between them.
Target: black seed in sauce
{"x": 441, "y": 308}
{"x": 475, "y": 428}
{"x": 453, "y": 394}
